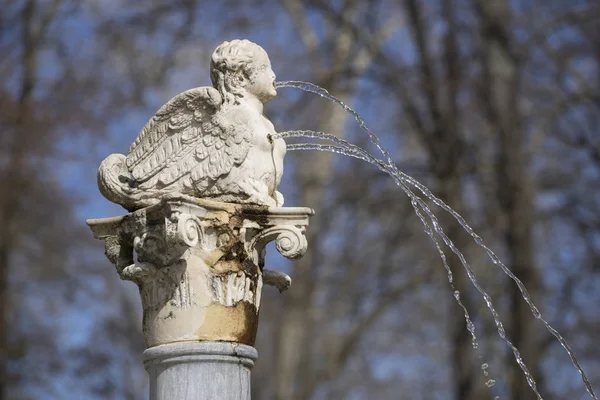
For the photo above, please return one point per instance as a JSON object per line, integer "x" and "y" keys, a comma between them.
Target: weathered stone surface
{"x": 200, "y": 182}
{"x": 199, "y": 264}
{"x": 200, "y": 371}
{"x": 207, "y": 142}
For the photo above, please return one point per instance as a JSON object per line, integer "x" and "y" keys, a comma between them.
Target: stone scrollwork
{"x": 190, "y": 229}
{"x": 289, "y": 240}
{"x": 183, "y": 229}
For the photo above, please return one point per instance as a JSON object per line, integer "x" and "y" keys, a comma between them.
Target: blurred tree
{"x": 456, "y": 71}
{"x": 59, "y": 94}
{"x": 494, "y": 105}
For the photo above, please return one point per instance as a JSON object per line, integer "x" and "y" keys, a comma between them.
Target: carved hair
{"x": 231, "y": 67}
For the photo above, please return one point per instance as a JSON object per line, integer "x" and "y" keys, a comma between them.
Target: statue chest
{"x": 260, "y": 138}
{"x": 261, "y": 142}
{"x": 266, "y": 154}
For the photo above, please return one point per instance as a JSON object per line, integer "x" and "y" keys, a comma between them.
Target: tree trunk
{"x": 293, "y": 352}
{"x": 446, "y": 151}
{"x": 515, "y": 190}
{"x": 460, "y": 338}
{"x": 9, "y": 201}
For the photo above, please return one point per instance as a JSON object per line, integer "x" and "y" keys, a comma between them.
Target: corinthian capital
{"x": 199, "y": 264}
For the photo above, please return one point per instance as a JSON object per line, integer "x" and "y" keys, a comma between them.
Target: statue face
{"x": 262, "y": 79}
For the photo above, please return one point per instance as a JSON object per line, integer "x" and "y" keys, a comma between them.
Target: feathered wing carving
{"x": 185, "y": 147}
{"x": 187, "y": 140}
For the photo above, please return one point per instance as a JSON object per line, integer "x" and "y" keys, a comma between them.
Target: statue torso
{"x": 263, "y": 167}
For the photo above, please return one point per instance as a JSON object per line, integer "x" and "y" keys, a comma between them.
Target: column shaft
{"x": 200, "y": 371}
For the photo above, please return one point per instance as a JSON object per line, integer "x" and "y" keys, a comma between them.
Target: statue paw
{"x": 135, "y": 272}
{"x": 278, "y": 199}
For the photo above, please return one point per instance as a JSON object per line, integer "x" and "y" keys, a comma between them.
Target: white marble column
{"x": 199, "y": 267}
{"x": 200, "y": 370}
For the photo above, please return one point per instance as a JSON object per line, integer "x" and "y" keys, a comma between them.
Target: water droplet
{"x": 490, "y": 383}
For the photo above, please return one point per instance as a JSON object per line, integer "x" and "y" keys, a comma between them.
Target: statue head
{"x": 239, "y": 67}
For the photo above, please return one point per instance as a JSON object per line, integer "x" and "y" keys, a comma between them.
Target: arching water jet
{"x": 401, "y": 179}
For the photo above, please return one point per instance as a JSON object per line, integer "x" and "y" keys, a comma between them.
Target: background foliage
{"x": 494, "y": 105}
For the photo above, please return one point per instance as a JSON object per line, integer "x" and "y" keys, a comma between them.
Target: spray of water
{"x": 420, "y": 206}
{"x": 357, "y": 152}
{"x": 401, "y": 179}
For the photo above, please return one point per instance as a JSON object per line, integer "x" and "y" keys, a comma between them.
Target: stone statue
{"x": 200, "y": 182}
{"x": 207, "y": 142}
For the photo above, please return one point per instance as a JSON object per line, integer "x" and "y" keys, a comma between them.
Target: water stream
{"x": 431, "y": 227}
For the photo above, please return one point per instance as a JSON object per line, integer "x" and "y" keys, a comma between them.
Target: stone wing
{"x": 187, "y": 136}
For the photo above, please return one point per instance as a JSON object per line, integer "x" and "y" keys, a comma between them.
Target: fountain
{"x": 200, "y": 182}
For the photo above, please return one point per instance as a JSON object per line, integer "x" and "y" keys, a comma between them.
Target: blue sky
{"x": 79, "y": 175}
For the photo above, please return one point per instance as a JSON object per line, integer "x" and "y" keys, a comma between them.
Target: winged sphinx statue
{"x": 207, "y": 142}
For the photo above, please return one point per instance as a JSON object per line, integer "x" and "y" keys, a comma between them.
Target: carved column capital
{"x": 199, "y": 264}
